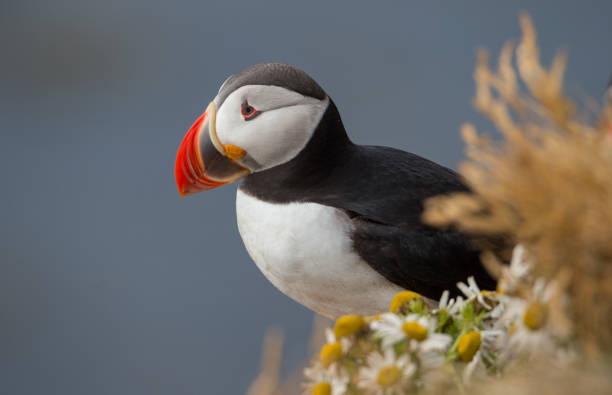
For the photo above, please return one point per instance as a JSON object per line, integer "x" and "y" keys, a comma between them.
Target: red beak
{"x": 199, "y": 165}
{"x": 189, "y": 169}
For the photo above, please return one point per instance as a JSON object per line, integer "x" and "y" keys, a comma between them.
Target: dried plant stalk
{"x": 548, "y": 185}
{"x": 268, "y": 380}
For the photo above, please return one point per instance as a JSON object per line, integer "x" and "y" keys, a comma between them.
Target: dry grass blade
{"x": 548, "y": 184}
{"x": 268, "y": 380}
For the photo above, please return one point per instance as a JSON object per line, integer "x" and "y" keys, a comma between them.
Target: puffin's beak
{"x": 202, "y": 162}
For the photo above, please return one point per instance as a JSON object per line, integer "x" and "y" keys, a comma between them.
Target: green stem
{"x": 458, "y": 381}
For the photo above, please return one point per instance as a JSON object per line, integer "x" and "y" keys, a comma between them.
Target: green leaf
{"x": 443, "y": 318}
{"x": 416, "y": 306}
{"x": 468, "y": 314}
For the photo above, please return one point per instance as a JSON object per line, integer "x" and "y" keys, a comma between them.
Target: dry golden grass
{"x": 548, "y": 185}
{"x": 269, "y": 381}
{"x": 537, "y": 378}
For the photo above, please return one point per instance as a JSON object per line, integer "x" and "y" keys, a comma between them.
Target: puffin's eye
{"x": 248, "y": 111}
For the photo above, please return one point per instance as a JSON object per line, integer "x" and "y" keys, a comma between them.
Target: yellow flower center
{"x": 348, "y": 325}
{"x": 402, "y": 298}
{"x": 468, "y": 345}
{"x": 388, "y": 375}
{"x": 330, "y": 353}
{"x": 535, "y": 316}
{"x": 322, "y": 388}
{"x": 414, "y": 330}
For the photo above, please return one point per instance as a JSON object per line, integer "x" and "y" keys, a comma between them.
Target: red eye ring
{"x": 248, "y": 112}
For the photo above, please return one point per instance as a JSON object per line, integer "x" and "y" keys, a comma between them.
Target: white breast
{"x": 305, "y": 250}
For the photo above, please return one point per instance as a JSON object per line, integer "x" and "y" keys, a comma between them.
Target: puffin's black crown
{"x": 277, "y": 74}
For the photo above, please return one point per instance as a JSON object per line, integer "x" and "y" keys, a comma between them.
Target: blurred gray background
{"x": 110, "y": 283}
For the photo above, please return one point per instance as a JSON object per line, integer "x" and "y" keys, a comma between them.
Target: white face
{"x": 282, "y": 127}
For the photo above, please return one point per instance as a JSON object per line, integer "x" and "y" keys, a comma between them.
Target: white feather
{"x": 305, "y": 250}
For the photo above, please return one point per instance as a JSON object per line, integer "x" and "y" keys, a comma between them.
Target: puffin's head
{"x": 262, "y": 117}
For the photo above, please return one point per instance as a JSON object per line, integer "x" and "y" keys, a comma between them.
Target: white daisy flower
{"x": 330, "y": 381}
{"x": 451, "y": 305}
{"x": 527, "y": 326}
{"x": 472, "y": 291}
{"x": 443, "y": 303}
{"x": 386, "y": 374}
{"x": 388, "y": 328}
{"x": 334, "y": 349}
{"x": 419, "y": 331}
{"x": 330, "y": 337}
{"x": 493, "y": 315}
{"x": 518, "y": 270}
{"x": 525, "y": 322}
{"x": 476, "y": 347}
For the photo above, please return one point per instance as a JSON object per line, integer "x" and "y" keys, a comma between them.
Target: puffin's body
{"x": 334, "y": 225}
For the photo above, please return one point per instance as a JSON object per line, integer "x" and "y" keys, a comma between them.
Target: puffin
{"x": 334, "y": 225}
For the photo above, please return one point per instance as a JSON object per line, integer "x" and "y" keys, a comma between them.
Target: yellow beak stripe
{"x": 234, "y": 152}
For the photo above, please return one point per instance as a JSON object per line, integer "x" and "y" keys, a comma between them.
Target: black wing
{"x": 385, "y": 199}
{"x": 386, "y": 185}
{"x": 421, "y": 260}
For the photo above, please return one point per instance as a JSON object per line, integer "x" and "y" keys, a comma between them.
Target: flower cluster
{"x": 478, "y": 333}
